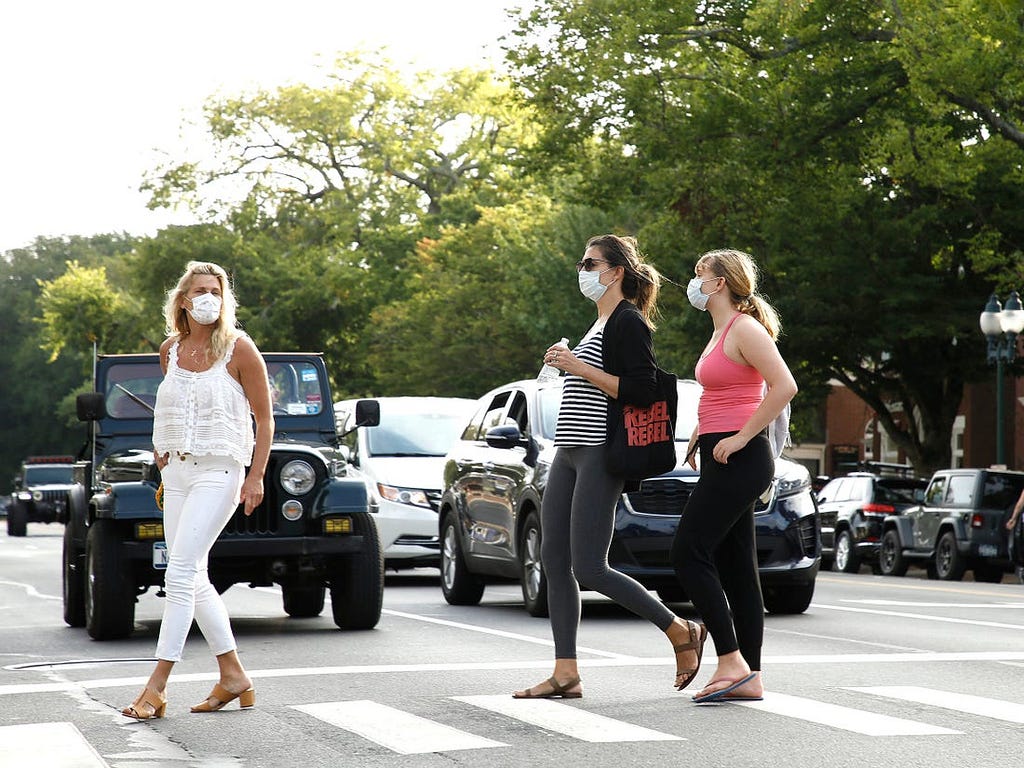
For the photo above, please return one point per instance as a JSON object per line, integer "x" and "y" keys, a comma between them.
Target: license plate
{"x": 988, "y": 550}
{"x": 160, "y": 554}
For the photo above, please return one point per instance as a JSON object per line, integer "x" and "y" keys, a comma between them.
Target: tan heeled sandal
{"x": 223, "y": 696}
{"x": 698, "y": 634}
{"x": 558, "y": 691}
{"x": 156, "y": 702}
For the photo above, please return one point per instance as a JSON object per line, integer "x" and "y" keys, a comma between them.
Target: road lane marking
{"x": 843, "y": 718}
{"x": 542, "y": 664}
{"x": 921, "y": 616}
{"x": 394, "y": 729}
{"x": 912, "y": 604}
{"x": 499, "y": 633}
{"x": 63, "y": 744}
{"x": 30, "y": 590}
{"x": 958, "y": 702}
{"x": 569, "y": 721}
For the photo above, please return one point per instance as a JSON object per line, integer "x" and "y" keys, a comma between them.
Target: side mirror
{"x": 367, "y": 413}
{"x": 507, "y": 436}
{"x": 90, "y": 406}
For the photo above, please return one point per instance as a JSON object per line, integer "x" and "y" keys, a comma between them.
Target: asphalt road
{"x": 879, "y": 671}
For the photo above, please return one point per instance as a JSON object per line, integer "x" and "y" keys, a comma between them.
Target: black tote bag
{"x": 641, "y": 440}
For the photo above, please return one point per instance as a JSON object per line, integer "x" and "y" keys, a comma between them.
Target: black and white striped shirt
{"x": 584, "y": 409}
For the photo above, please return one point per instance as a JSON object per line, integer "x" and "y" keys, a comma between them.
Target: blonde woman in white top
{"x": 214, "y": 378}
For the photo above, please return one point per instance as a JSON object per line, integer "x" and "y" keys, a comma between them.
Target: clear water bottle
{"x": 549, "y": 373}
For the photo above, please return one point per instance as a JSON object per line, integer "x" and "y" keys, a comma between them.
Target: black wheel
{"x": 74, "y": 581}
{"x": 891, "y": 561}
{"x": 303, "y": 602}
{"x": 531, "y": 573}
{"x": 949, "y": 563}
{"x": 459, "y": 586}
{"x": 931, "y": 571}
{"x": 17, "y": 519}
{"x": 789, "y": 599}
{"x": 357, "y": 580}
{"x": 109, "y": 589}
{"x": 846, "y": 559}
{"x": 990, "y": 574}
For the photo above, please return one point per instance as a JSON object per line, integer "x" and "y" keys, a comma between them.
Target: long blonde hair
{"x": 740, "y": 273}
{"x": 641, "y": 280}
{"x": 176, "y": 317}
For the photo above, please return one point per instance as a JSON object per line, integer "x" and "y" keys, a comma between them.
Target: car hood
{"x": 423, "y": 472}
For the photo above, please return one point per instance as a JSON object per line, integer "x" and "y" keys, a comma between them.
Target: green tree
{"x": 830, "y": 139}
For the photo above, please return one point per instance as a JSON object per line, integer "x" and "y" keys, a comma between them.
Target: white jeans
{"x": 200, "y": 495}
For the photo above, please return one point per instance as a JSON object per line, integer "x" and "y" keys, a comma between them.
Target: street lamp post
{"x": 1001, "y": 327}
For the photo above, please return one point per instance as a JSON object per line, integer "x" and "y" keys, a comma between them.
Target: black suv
{"x": 312, "y": 531}
{"x": 960, "y": 525}
{"x": 852, "y": 510}
{"x": 40, "y": 492}
{"x": 495, "y": 476}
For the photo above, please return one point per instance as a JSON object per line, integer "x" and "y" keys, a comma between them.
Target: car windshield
{"x": 414, "y": 434}
{"x": 48, "y": 475}
{"x": 131, "y": 390}
{"x": 294, "y": 388}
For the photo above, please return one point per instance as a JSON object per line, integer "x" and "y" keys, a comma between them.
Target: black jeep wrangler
{"x": 960, "y": 525}
{"x": 312, "y": 531}
{"x": 40, "y": 492}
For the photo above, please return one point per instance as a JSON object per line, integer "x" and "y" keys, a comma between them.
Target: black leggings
{"x": 714, "y": 552}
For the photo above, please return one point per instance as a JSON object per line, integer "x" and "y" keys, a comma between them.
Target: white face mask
{"x": 591, "y": 285}
{"x": 205, "y": 308}
{"x": 697, "y": 297}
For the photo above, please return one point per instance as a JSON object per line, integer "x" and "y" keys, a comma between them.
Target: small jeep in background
{"x": 312, "y": 532}
{"x": 960, "y": 526}
{"x": 40, "y": 492}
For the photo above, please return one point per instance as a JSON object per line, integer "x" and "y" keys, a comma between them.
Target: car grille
{"x": 660, "y": 497}
{"x": 52, "y": 497}
{"x": 434, "y": 497}
{"x": 807, "y": 529}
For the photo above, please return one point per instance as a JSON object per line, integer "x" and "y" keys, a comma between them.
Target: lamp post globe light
{"x": 1001, "y": 325}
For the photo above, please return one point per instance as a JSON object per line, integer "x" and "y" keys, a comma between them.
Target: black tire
{"x": 459, "y": 586}
{"x": 357, "y": 581}
{"x": 109, "y": 589}
{"x": 949, "y": 563}
{"x": 989, "y": 574}
{"x": 891, "y": 561}
{"x": 74, "y": 581}
{"x": 931, "y": 571}
{"x": 303, "y": 602}
{"x": 847, "y": 559}
{"x": 789, "y": 599}
{"x": 531, "y": 573}
{"x": 17, "y": 519}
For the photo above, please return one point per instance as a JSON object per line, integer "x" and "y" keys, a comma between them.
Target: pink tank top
{"x": 732, "y": 392}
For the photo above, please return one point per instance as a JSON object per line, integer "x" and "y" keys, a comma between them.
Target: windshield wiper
{"x": 136, "y": 398}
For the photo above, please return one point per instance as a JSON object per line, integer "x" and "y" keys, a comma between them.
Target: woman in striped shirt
{"x": 614, "y": 359}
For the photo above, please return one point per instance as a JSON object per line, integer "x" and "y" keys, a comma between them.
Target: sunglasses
{"x": 588, "y": 264}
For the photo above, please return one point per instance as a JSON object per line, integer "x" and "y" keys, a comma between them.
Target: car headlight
{"x": 37, "y": 495}
{"x": 297, "y": 477}
{"x": 413, "y": 496}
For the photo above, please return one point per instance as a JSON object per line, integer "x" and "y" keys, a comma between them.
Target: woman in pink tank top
{"x": 714, "y": 552}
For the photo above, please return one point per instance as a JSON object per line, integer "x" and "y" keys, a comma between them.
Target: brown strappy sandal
{"x": 698, "y": 634}
{"x": 156, "y": 702}
{"x": 222, "y": 696}
{"x": 558, "y": 691}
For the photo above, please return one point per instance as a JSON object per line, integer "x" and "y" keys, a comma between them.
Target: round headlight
{"x": 37, "y": 495}
{"x": 297, "y": 477}
{"x": 291, "y": 509}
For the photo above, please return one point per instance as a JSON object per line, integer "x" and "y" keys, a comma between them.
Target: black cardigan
{"x": 627, "y": 352}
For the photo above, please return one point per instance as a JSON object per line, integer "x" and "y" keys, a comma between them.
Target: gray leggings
{"x": 577, "y": 520}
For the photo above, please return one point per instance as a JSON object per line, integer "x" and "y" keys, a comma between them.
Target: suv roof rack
{"x": 886, "y": 469}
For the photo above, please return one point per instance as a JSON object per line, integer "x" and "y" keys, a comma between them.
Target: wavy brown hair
{"x": 641, "y": 281}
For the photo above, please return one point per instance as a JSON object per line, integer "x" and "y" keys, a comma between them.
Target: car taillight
{"x": 879, "y": 509}
{"x": 977, "y": 521}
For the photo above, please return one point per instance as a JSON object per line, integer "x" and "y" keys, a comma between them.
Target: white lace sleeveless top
{"x": 204, "y": 413}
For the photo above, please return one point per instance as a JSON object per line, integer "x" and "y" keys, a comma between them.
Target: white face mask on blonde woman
{"x": 205, "y": 308}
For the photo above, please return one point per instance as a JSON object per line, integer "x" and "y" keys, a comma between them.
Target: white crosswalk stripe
{"x": 394, "y": 729}
{"x": 65, "y": 745}
{"x": 567, "y": 720}
{"x": 844, "y": 718}
{"x": 958, "y": 702}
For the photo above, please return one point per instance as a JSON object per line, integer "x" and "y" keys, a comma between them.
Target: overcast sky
{"x": 94, "y": 92}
